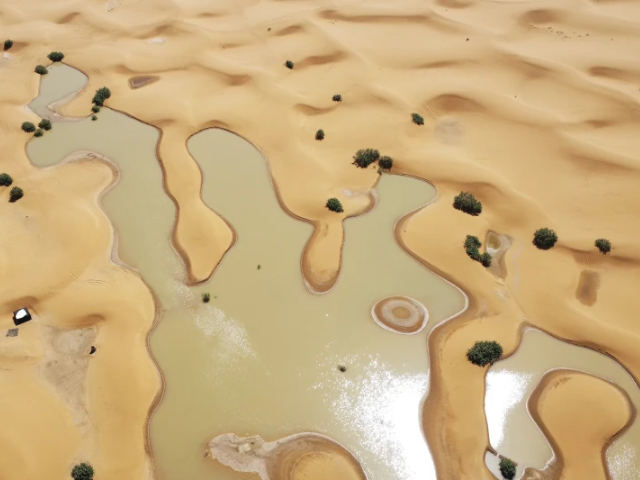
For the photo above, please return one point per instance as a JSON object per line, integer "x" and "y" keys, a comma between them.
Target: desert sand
{"x": 530, "y": 106}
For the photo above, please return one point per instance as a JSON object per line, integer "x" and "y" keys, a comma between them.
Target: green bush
{"x": 41, "y": 70}
{"x": 385, "y": 163}
{"x": 485, "y": 260}
{"x": 337, "y": 97}
{"x": 101, "y": 95}
{"x": 28, "y": 127}
{"x": 334, "y": 205}
{"x": 95, "y": 109}
{"x": 417, "y": 119}
{"x": 56, "y": 56}
{"x": 471, "y": 246}
{"x": 544, "y": 238}
{"x": 8, "y": 44}
{"x": 206, "y": 297}
{"x": 15, "y": 194}
{"x": 484, "y": 353}
{"x": 94, "y": 118}
{"x": 38, "y": 133}
{"x": 507, "y": 468}
{"x": 603, "y": 245}
{"x": 364, "y": 158}
{"x": 45, "y": 124}
{"x": 320, "y": 135}
{"x": 5, "y": 180}
{"x": 289, "y": 64}
{"x": 83, "y": 471}
{"x": 467, "y": 203}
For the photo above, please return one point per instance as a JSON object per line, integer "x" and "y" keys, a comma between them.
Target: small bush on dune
{"x": 206, "y": 297}
{"x": 364, "y": 158}
{"x": 45, "y": 124}
{"x": 56, "y": 56}
{"x": 101, "y": 95}
{"x": 5, "y": 180}
{"x": 485, "y": 260}
{"x": 417, "y": 119}
{"x": 15, "y": 194}
{"x": 28, "y": 127}
{"x": 41, "y": 70}
{"x": 544, "y": 238}
{"x": 334, "y": 205}
{"x": 320, "y": 135}
{"x": 385, "y": 163}
{"x": 38, "y": 133}
{"x": 507, "y": 468}
{"x": 337, "y": 98}
{"x": 467, "y": 203}
{"x": 603, "y": 245}
{"x": 484, "y": 353}
{"x": 95, "y": 109}
{"x": 471, "y": 246}
{"x": 289, "y": 64}
{"x": 83, "y": 471}
{"x": 8, "y": 44}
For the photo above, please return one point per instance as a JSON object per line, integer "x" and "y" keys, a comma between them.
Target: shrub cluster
{"x": 471, "y": 246}
{"x": 385, "y": 163}
{"x": 544, "y": 238}
{"x": 45, "y": 124}
{"x": 337, "y": 97}
{"x": 15, "y": 194}
{"x": 603, "y": 245}
{"x": 334, "y": 205}
{"x": 56, "y": 56}
{"x": 5, "y": 180}
{"x": 206, "y": 297}
{"x": 101, "y": 95}
{"x": 28, "y": 127}
{"x": 467, "y": 203}
{"x": 417, "y": 119}
{"x": 8, "y": 44}
{"x": 38, "y": 133}
{"x": 41, "y": 70}
{"x": 507, "y": 468}
{"x": 364, "y": 158}
{"x": 82, "y": 471}
{"x": 484, "y": 353}
{"x": 320, "y": 135}
{"x": 289, "y": 64}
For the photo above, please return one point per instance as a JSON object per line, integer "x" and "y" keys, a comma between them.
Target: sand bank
{"x": 400, "y": 314}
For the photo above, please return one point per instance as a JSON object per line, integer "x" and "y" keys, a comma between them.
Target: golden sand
{"x": 532, "y": 107}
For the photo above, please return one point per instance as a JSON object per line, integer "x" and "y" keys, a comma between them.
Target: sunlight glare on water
{"x": 504, "y": 391}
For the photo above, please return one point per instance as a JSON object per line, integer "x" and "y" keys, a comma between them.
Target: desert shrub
{"x": 101, "y": 95}
{"x": 484, "y": 353}
{"x": 320, "y": 135}
{"x": 206, "y": 297}
{"x": 82, "y": 471}
{"x": 41, "y": 70}
{"x": 364, "y": 158}
{"x": 467, "y": 203}
{"x": 28, "y": 127}
{"x": 5, "y": 180}
{"x": 471, "y": 246}
{"x": 8, "y": 44}
{"x": 385, "y": 163}
{"x": 337, "y": 98}
{"x": 417, "y": 119}
{"x": 45, "y": 124}
{"x": 94, "y": 117}
{"x": 334, "y": 205}
{"x": 544, "y": 239}
{"x": 38, "y": 133}
{"x": 507, "y": 468}
{"x": 95, "y": 109}
{"x": 289, "y": 64}
{"x": 603, "y": 245}
{"x": 56, "y": 56}
{"x": 15, "y": 194}
{"x": 485, "y": 259}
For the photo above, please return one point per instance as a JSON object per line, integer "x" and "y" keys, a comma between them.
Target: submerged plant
{"x": 8, "y": 44}
{"x": 320, "y": 135}
{"x": 41, "y": 70}
{"x": 289, "y": 64}
{"x": 385, "y": 163}
{"x": 5, "y": 180}
{"x": 45, "y": 124}
{"x": 334, "y": 205}
{"x": 337, "y": 97}
{"x": 544, "y": 238}
{"x": 603, "y": 245}
{"x": 206, "y": 297}
{"x": 56, "y": 56}
{"x": 28, "y": 127}
{"x": 364, "y": 158}
{"x": 15, "y": 194}
{"x": 484, "y": 353}
{"x": 95, "y": 109}
{"x": 94, "y": 117}
{"x": 467, "y": 203}
{"x": 38, "y": 133}
{"x": 82, "y": 471}
{"x": 417, "y": 119}
{"x": 507, "y": 468}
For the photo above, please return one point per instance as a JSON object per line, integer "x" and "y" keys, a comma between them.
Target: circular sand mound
{"x": 400, "y": 314}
